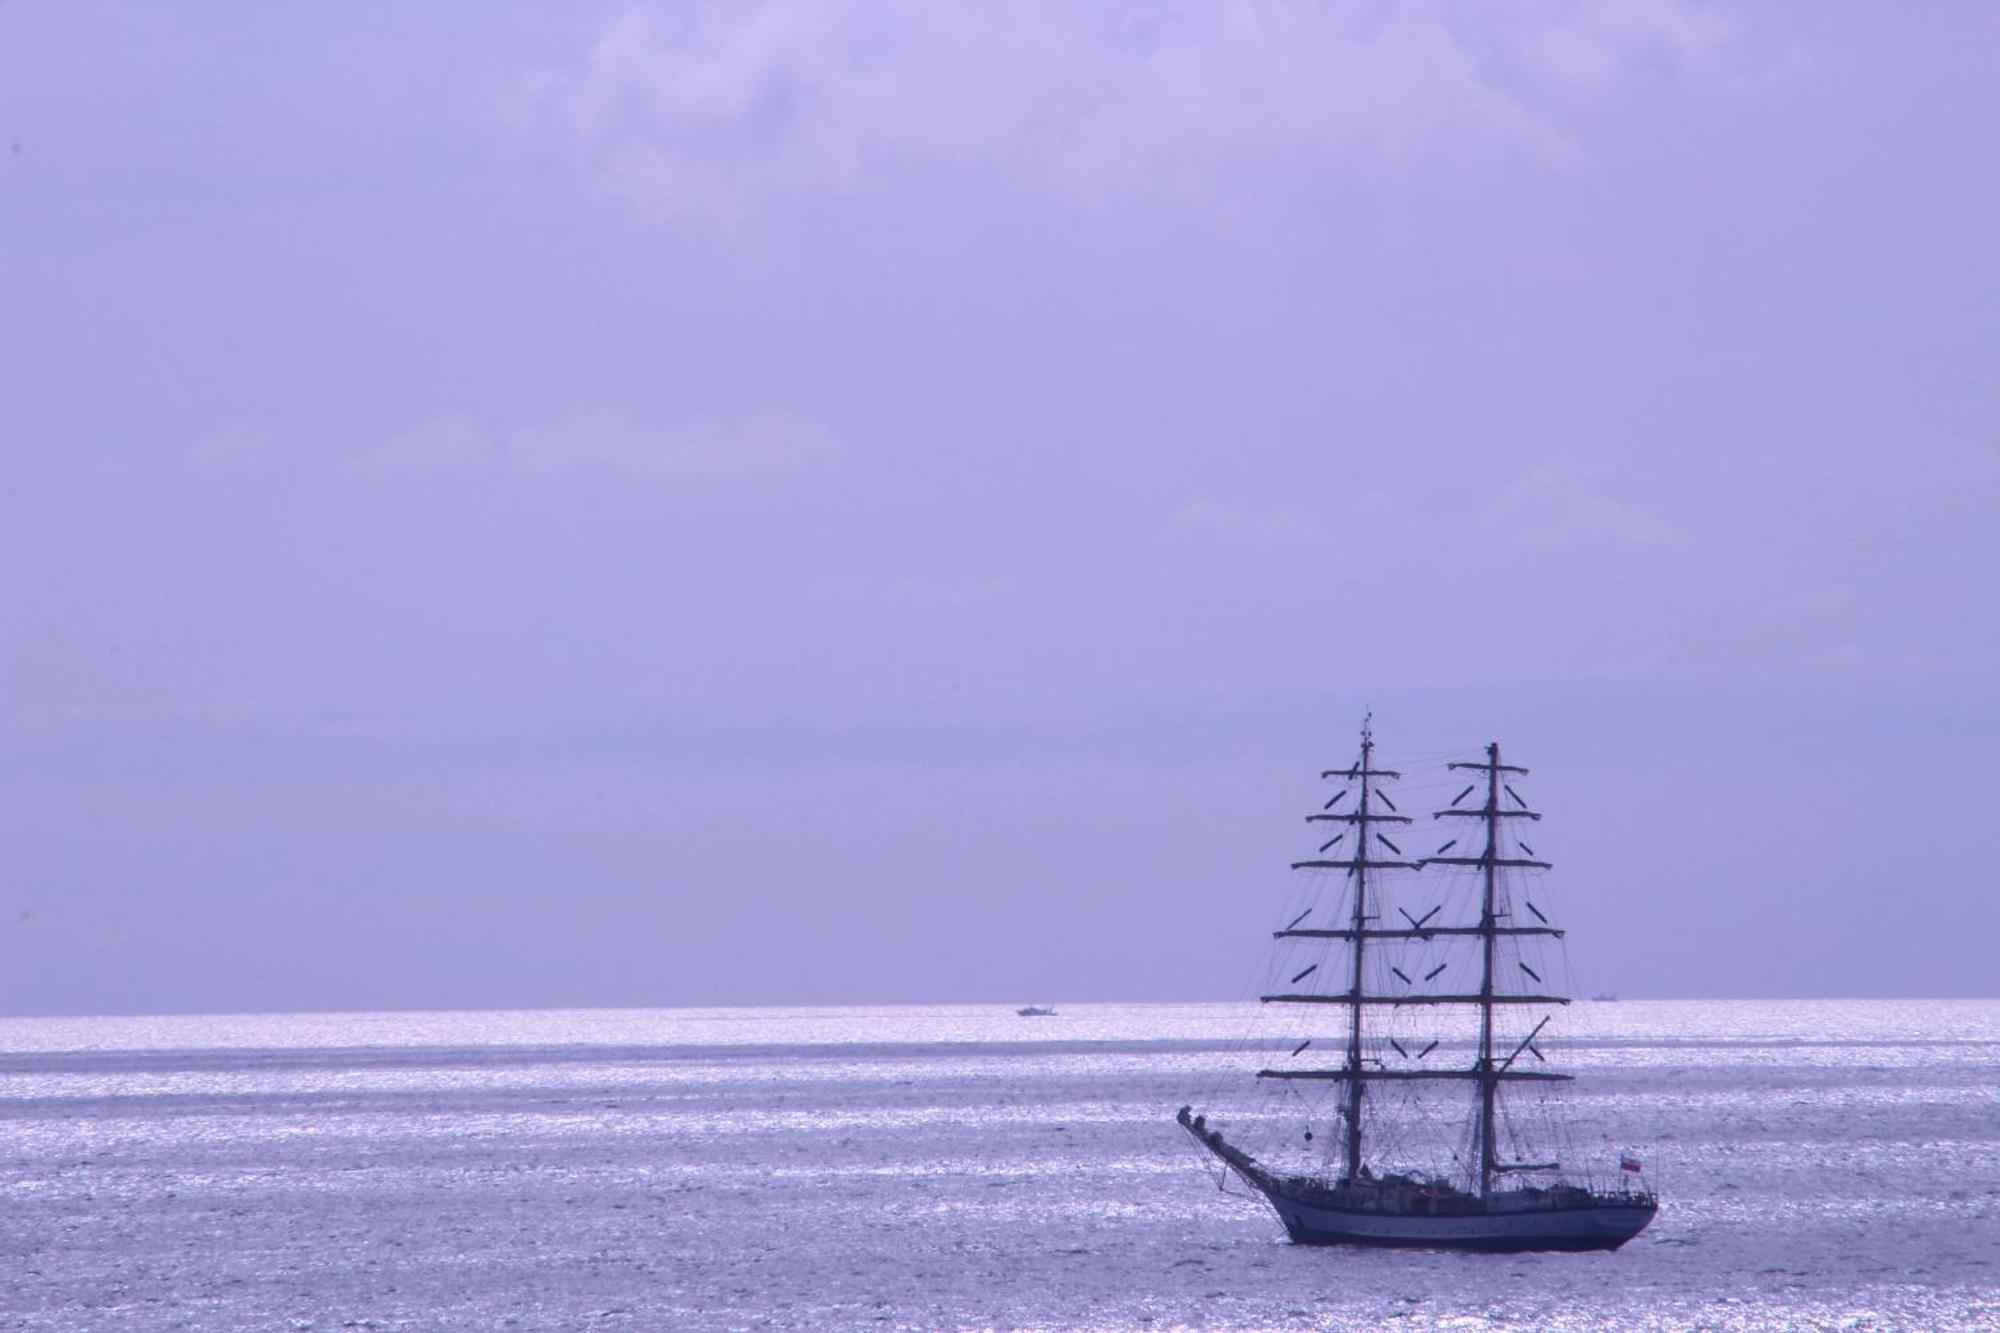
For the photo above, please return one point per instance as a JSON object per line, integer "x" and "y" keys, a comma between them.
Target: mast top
{"x": 1492, "y": 764}
{"x": 1363, "y": 767}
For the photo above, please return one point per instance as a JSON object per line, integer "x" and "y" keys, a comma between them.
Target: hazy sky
{"x": 850, "y": 502}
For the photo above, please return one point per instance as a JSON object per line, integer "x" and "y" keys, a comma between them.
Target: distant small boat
{"x": 1035, "y": 1011}
{"x": 1605, "y": 996}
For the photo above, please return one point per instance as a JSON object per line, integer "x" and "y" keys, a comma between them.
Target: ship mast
{"x": 1490, "y": 861}
{"x": 1363, "y": 819}
{"x": 1487, "y": 1071}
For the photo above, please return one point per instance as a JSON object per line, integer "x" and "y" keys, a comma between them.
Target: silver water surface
{"x": 1824, "y": 1163}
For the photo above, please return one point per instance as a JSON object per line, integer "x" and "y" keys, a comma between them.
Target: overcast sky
{"x": 850, "y": 502}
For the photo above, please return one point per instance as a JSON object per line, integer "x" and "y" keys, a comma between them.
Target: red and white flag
{"x": 1629, "y": 1164}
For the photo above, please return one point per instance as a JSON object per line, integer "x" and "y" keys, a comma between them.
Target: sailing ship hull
{"x": 1402, "y": 1212}
{"x": 1589, "y": 1226}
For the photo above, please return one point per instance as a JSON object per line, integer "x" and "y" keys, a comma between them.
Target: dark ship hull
{"x": 1398, "y": 1211}
{"x": 1509, "y": 1221}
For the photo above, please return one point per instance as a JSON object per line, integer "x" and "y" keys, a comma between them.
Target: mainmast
{"x": 1487, "y": 1071}
{"x": 1490, "y": 861}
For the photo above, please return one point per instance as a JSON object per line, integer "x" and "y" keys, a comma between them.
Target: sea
{"x": 1820, "y": 1164}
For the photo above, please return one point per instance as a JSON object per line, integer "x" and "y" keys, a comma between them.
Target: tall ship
{"x": 1436, "y": 1123}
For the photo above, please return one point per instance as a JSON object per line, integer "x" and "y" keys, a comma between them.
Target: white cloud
{"x": 1823, "y": 598}
{"x": 1938, "y": 466}
{"x": 714, "y": 109}
{"x": 1589, "y": 45}
{"x": 763, "y": 446}
{"x": 923, "y": 592}
{"x": 1569, "y": 505}
{"x": 443, "y": 444}
{"x": 1259, "y": 527}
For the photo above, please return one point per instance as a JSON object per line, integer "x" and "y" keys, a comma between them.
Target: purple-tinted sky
{"x": 533, "y": 505}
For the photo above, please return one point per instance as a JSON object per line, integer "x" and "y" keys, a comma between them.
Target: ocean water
{"x": 1821, "y": 1164}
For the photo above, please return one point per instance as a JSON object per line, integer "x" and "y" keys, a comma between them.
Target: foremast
{"x": 1487, "y": 1072}
{"x": 1363, "y": 819}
